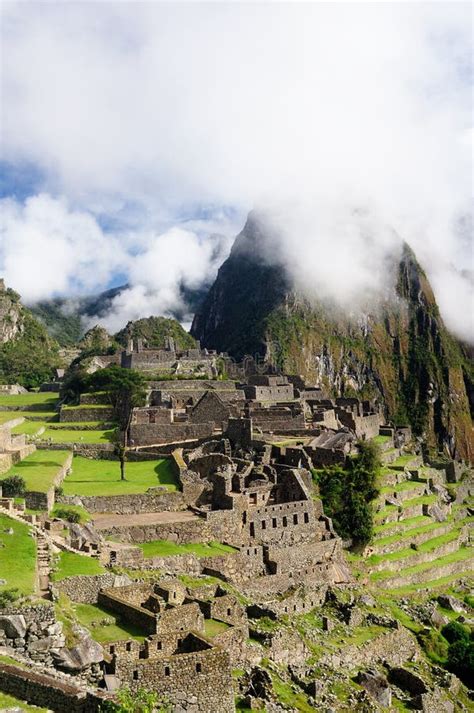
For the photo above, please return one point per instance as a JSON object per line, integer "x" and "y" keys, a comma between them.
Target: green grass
{"x": 422, "y": 500}
{"x": 80, "y": 407}
{"x": 424, "y": 547}
{"x": 402, "y": 487}
{"x": 39, "y": 469}
{"x": 402, "y": 460}
{"x": 104, "y": 625}
{"x": 7, "y": 701}
{"x": 196, "y": 582}
{"x": 29, "y": 428}
{"x": 417, "y": 520}
{"x": 62, "y": 435}
{"x": 82, "y": 512}
{"x": 102, "y": 477}
{"x": 17, "y": 556}
{"x": 286, "y": 695}
{"x": 464, "y": 553}
{"x": 212, "y": 627}
{"x": 380, "y": 440}
{"x": 165, "y": 548}
{"x": 410, "y": 532}
{"x": 33, "y": 416}
{"x": 30, "y": 399}
{"x": 71, "y": 564}
{"x": 432, "y": 583}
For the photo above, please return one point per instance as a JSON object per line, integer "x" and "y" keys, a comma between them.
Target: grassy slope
{"x": 39, "y": 469}
{"x": 71, "y": 564}
{"x": 101, "y": 477}
{"x": 17, "y": 556}
{"x": 32, "y": 398}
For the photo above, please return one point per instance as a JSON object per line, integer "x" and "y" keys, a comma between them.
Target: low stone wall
{"x": 96, "y": 451}
{"x": 85, "y": 589}
{"x": 127, "y": 504}
{"x": 420, "y": 577}
{"x": 179, "y": 532}
{"x": 151, "y": 433}
{"x": 91, "y": 413}
{"x": 48, "y": 692}
{"x": 394, "y": 648}
{"x": 44, "y": 501}
{"x": 417, "y": 558}
{"x": 136, "y": 615}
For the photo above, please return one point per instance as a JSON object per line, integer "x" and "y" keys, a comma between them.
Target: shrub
{"x": 138, "y": 701}
{"x": 434, "y": 645}
{"x": 461, "y": 660}
{"x": 68, "y": 514}
{"x": 8, "y": 596}
{"x": 13, "y": 487}
{"x": 58, "y": 491}
{"x": 455, "y": 631}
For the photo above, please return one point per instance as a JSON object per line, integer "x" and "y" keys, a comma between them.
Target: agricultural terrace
{"x": 17, "y": 556}
{"x": 102, "y": 477}
{"x": 46, "y": 400}
{"x": 39, "y": 469}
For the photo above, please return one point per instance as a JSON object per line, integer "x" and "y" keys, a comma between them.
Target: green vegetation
{"x": 17, "y": 556}
{"x": 400, "y": 526}
{"x": 464, "y": 553}
{"x": 104, "y": 625}
{"x": 39, "y": 469}
{"x": 137, "y": 701}
{"x": 32, "y": 398}
{"x": 30, "y": 358}
{"x": 79, "y": 513}
{"x": 347, "y": 493}
{"x": 13, "y": 486}
{"x": 212, "y": 627}
{"x": 7, "y": 701}
{"x": 165, "y": 548}
{"x": 62, "y": 435}
{"x": 71, "y": 564}
{"x": 154, "y": 330}
{"x": 102, "y": 477}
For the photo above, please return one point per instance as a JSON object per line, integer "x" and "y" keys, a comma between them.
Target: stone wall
{"x": 85, "y": 588}
{"x": 48, "y": 692}
{"x": 393, "y": 648}
{"x": 91, "y": 413}
{"x": 132, "y": 613}
{"x": 127, "y": 504}
{"x": 200, "y": 679}
{"x": 153, "y": 433}
{"x": 44, "y": 501}
{"x": 179, "y": 532}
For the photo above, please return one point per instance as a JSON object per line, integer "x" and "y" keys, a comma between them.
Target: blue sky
{"x": 136, "y": 138}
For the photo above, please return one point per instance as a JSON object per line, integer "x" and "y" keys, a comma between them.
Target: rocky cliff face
{"x": 28, "y": 355}
{"x": 11, "y": 322}
{"x": 399, "y": 351}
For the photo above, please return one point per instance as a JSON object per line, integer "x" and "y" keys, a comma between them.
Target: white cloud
{"x": 335, "y": 105}
{"x": 46, "y": 248}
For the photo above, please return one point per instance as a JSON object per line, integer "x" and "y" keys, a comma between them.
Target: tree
{"x": 347, "y": 493}
{"x": 125, "y": 390}
{"x": 13, "y": 487}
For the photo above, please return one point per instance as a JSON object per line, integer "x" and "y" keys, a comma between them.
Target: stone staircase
{"x": 419, "y": 537}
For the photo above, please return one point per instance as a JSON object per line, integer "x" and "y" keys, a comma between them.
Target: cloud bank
{"x": 140, "y": 114}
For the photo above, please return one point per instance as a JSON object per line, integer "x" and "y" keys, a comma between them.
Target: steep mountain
{"x": 154, "y": 330}
{"x": 400, "y": 350}
{"x": 65, "y": 318}
{"x": 28, "y": 355}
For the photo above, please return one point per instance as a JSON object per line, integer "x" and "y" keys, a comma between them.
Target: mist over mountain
{"x": 389, "y": 343}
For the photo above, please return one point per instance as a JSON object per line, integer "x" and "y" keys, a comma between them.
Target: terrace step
{"x": 436, "y": 569}
{"x": 403, "y": 538}
{"x": 408, "y": 557}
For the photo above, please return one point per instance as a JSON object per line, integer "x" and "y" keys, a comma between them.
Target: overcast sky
{"x": 137, "y": 136}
